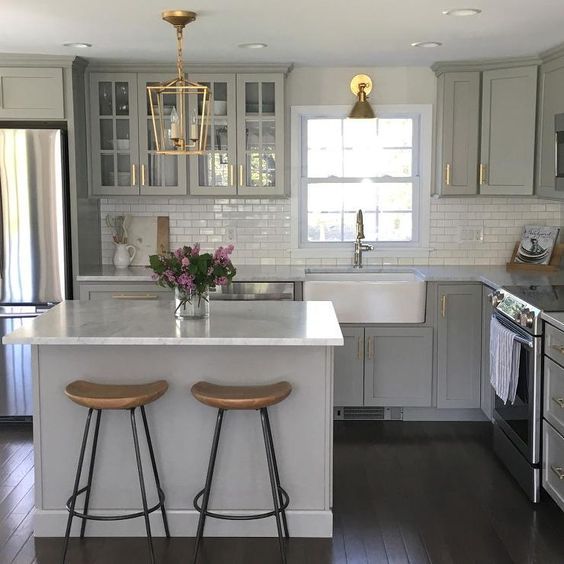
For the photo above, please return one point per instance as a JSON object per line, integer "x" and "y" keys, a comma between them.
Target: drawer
{"x": 124, "y": 292}
{"x": 553, "y": 464}
{"x": 554, "y": 394}
{"x": 554, "y": 343}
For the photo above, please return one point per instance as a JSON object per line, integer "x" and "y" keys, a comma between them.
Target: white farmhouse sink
{"x": 370, "y": 297}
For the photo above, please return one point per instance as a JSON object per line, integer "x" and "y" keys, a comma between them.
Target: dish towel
{"x": 505, "y": 352}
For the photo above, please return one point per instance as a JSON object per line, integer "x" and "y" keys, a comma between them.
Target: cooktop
{"x": 546, "y": 297}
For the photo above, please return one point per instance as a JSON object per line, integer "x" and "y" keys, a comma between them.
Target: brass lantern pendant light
{"x": 180, "y": 110}
{"x": 361, "y": 86}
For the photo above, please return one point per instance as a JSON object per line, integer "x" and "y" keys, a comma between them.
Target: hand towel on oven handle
{"x": 505, "y": 352}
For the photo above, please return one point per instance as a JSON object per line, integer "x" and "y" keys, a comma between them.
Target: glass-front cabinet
{"x": 214, "y": 173}
{"x": 113, "y": 130}
{"x": 123, "y": 157}
{"x": 260, "y": 134}
{"x": 245, "y": 145}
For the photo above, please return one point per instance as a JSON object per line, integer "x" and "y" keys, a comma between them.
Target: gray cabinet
{"x": 349, "y": 369}
{"x": 551, "y": 102}
{"x": 459, "y": 345}
{"x": 487, "y": 394}
{"x": 399, "y": 366}
{"x": 31, "y": 93}
{"x": 122, "y": 150}
{"x": 507, "y": 148}
{"x": 458, "y": 114}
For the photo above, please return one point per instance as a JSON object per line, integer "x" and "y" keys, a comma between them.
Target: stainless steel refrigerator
{"x": 34, "y": 248}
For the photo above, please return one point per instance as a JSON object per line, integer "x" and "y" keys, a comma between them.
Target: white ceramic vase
{"x": 123, "y": 255}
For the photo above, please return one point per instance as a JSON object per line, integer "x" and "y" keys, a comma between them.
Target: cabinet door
{"x": 349, "y": 369}
{"x": 459, "y": 345}
{"x": 260, "y": 134}
{"x": 507, "y": 156}
{"x": 114, "y": 148}
{"x": 159, "y": 175}
{"x": 214, "y": 173}
{"x": 398, "y": 367}
{"x": 487, "y": 393}
{"x": 31, "y": 93}
{"x": 459, "y": 120}
{"x": 551, "y": 93}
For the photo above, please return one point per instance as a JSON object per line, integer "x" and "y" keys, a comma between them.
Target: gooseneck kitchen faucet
{"x": 359, "y": 246}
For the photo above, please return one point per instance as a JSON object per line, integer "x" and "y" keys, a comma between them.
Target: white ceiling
{"x": 304, "y": 32}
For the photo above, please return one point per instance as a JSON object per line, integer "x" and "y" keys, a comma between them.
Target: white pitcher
{"x": 123, "y": 255}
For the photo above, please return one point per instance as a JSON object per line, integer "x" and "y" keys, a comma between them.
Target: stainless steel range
{"x": 517, "y": 426}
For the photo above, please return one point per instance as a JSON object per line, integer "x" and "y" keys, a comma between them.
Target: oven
{"x": 517, "y": 426}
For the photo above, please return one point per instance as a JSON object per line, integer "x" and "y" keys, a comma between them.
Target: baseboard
{"x": 434, "y": 414}
{"x": 183, "y": 523}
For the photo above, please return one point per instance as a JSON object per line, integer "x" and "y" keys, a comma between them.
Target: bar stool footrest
{"x": 252, "y": 517}
{"x": 113, "y": 517}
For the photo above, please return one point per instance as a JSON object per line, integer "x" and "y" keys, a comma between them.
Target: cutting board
{"x": 149, "y": 235}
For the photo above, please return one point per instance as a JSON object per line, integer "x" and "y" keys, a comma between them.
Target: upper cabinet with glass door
{"x": 214, "y": 172}
{"x": 260, "y": 134}
{"x": 159, "y": 175}
{"x": 123, "y": 156}
{"x": 113, "y": 131}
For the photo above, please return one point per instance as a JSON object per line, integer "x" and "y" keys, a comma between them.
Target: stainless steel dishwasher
{"x": 247, "y": 291}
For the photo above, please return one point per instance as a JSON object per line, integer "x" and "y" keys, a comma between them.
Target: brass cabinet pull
{"x": 133, "y": 176}
{"x": 370, "y": 349}
{"x": 240, "y": 175}
{"x": 483, "y": 169}
{"x": 559, "y": 471}
{"x": 558, "y": 348}
{"x": 135, "y": 297}
{"x": 360, "y": 349}
{"x": 556, "y": 155}
{"x": 142, "y": 175}
{"x": 559, "y": 402}
{"x": 447, "y": 174}
{"x": 231, "y": 179}
{"x": 443, "y": 305}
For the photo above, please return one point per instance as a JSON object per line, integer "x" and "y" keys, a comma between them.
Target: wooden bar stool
{"x": 244, "y": 397}
{"x": 98, "y": 397}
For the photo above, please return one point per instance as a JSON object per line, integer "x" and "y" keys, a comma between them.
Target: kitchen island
{"x": 241, "y": 343}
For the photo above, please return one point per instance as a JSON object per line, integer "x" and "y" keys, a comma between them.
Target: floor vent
{"x": 368, "y": 413}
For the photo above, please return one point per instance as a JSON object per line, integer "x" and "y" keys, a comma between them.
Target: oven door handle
{"x": 526, "y": 341}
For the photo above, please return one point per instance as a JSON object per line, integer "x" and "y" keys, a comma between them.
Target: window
{"x": 372, "y": 165}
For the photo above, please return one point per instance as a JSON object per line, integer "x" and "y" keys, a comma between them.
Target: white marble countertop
{"x": 282, "y": 323}
{"x": 494, "y": 276}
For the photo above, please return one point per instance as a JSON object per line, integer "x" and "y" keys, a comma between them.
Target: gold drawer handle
{"x": 558, "y": 348}
{"x": 370, "y": 349}
{"x": 559, "y": 471}
{"x": 483, "y": 178}
{"x": 447, "y": 174}
{"x": 360, "y": 348}
{"x": 135, "y": 297}
{"x": 443, "y": 305}
{"x": 559, "y": 402}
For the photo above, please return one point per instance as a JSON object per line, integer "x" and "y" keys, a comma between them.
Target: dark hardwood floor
{"x": 404, "y": 493}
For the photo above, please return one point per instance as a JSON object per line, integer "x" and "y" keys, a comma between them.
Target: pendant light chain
{"x": 179, "y": 63}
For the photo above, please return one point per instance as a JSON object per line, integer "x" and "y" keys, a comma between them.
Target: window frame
{"x": 421, "y": 179}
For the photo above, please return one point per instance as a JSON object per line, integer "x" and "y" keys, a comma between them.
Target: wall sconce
{"x": 361, "y": 86}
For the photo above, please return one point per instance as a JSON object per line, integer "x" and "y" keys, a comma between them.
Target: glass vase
{"x": 191, "y": 305}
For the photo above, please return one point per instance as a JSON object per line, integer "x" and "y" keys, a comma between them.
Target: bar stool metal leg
{"x": 207, "y": 487}
{"x": 155, "y": 472}
{"x": 275, "y": 491}
{"x": 276, "y": 474}
{"x": 76, "y": 484}
{"x": 142, "y": 486}
{"x": 91, "y": 471}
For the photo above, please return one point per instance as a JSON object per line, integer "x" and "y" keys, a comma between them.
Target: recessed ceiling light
{"x": 461, "y": 12}
{"x": 252, "y": 45}
{"x": 426, "y": 44}
{"x": 77, "y": 45}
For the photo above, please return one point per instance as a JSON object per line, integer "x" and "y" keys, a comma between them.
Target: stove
{"x": 523, "y": 305}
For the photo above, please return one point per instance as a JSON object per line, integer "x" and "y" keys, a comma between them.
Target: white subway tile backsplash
{"x": 262, "y": 228}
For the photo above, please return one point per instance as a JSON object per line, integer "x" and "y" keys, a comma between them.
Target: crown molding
{"x": 31, "y": 60}
{"x": 484, "y": 64}
{"x": 213, "y": 68}
{"x": 552, "y": 53}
